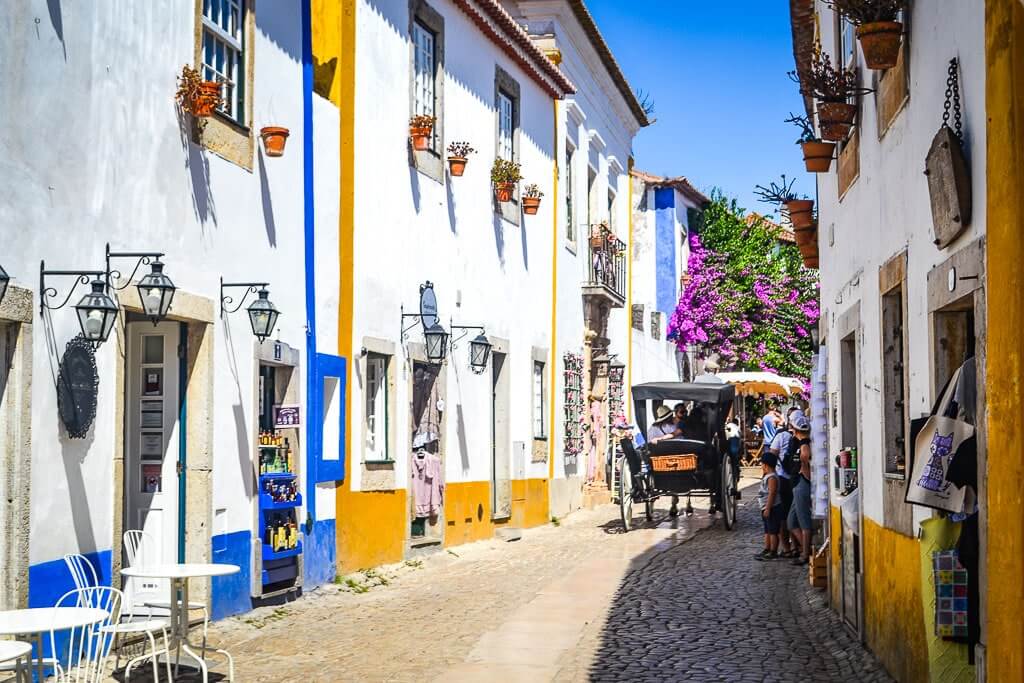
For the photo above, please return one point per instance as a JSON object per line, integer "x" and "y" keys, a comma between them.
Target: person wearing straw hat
{"x": 664, "y": 426}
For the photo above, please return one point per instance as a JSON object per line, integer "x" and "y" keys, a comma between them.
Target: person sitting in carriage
{"x": 664, "y": 426}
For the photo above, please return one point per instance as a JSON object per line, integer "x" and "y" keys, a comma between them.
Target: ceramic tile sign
{"x": 286, "y": 416}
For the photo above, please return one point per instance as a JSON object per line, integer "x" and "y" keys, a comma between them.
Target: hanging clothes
{"x": 427, "y": 484}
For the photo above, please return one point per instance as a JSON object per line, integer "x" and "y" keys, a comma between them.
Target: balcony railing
{"x": 608, "y": 263}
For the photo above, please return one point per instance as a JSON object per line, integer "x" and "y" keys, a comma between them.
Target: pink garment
{"x": 427, "y": 484}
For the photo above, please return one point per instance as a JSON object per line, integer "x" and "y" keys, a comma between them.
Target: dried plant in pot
{"x": 817, "y": 153}
{"x": 505, "y": 174}
{"x": 878, "y": 30}
{"x": 458, "y": 155}
{"x": 274, "y": 138}
{"x": 598, "y": 234}
{"x": 531, "y": 199}
{"x": 833, "y": 88}
{"x": 799, "y": 209}
{"x": 194, "y": 95}
{"x": 421, "y": 127}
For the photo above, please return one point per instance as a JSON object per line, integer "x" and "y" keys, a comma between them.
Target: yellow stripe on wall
{"x": 554, "y": 308}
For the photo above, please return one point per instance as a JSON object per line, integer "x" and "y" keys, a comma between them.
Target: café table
{"x": 35, "y": 621}
{"x": 179, "y": 575}
{"x": 15, "y": 651}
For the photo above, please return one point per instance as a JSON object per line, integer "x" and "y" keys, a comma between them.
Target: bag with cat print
{"x": 935, "y": 446}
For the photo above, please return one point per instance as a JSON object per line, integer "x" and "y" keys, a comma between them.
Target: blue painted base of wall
{"x": 232, "y": 594}
{"x": 320, "y": 555}
{"x": 48, "y": 581}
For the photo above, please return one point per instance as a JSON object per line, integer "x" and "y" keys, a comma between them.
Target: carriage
{"x": 698, "y": 464}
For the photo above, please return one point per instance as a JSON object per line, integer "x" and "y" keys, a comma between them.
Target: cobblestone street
{"x": 575, "y": 602}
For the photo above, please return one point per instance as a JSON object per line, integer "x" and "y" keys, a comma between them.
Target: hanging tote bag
{"x": 951, "y": 599}
{"x": 935, "y": 446}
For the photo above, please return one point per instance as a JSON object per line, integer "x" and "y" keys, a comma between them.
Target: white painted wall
{"x": 94, "y": 153}
{"x": 887, "y": 210}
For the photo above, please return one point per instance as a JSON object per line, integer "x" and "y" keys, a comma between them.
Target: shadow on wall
{"x": 198, "y": 167}
{"x": 281, "y": 23}
{"x": 267, "y": 201}
{"x": 522, "y": 239}
{"x": 414, "y": 180}
{"x": 460, "y": 420}
{"x": 499, "y": 237}
{"x": 57, "y": 21}
{"x": 452, "y": 222}
{"x": 238, "y": 412}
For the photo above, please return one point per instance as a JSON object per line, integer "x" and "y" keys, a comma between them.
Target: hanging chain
{"x": 953, "y": 99}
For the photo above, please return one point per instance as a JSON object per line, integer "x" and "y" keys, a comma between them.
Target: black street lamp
{"x": 156, "y": 291}
{"x": 436, "y": 339}
{"x": 262, "y": 313}
{"x": 479, "y": 347}
{"x": 4, "y": 280}
{"x": 96, "y": 310}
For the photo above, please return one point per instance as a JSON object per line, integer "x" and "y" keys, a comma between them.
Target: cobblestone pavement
{"x": 673, "y": 600}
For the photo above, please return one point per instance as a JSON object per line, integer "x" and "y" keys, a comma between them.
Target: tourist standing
{"x": 800, "y": 512}
{"x": 771, "y": 507}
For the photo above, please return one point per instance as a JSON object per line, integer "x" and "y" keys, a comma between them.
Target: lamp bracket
{"x": 405, "y": 330}
{"x": 82, "y": 277}
{"x": 226, "y": 299}
{"x": 466, "y": 330}
{"x": 145, "y": 258}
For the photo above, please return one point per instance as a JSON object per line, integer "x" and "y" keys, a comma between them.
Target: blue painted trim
{"x": 232, "y": 594}
{"x": 182, "y": 432}
{"x": 329, "y": 366}
{"x": 309, "y": 234}
{"x": 47, "y": 581}
{"x": 320, "y": 556}
{"x": 666, "y": 292}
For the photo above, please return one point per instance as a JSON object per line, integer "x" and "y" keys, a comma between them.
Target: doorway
{"x": 152, "y": 478}
{"x": 501, "y": 465}
{"x": 426, "y": 437}
{"x": 850, "y": 537}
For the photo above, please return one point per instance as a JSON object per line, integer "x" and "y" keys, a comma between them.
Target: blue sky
{"x": 716, "y": 72}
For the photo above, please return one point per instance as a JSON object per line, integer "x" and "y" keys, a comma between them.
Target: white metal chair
{"x": 138, "y": 546}
{"x": 17, "y": 656}
{"x": 126, "y": 624}
{"x": 80, "y": 654}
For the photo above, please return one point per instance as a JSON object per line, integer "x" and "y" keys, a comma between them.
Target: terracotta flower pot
{"x": 202, "y": 104}
{"x": 420, "y": 138}
{"x": 274, "y": 138}
{"x": 836, "y": 119}
{"x": 457, "y": 165}
{"x": 806, "y": 237}
{"x": 801, "y": 213}
{"x": 811, "y": 262}
{"x": 530, "y": 205}
{"x": 503, "y": 191}
{"x": 880, "y": 41}
{"x": 818, "y": 155}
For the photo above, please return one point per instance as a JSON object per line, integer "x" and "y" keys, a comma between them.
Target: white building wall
{"x": 887, "y": 210}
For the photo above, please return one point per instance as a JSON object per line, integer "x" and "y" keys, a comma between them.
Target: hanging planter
{"x": 458, "y": 156}
{"x": 805, "y": 236}
{"x": 836, "y": 120}
{"x": 597, "y": 235}
{"x": 274, "y": 138}
{"x": 531, "y": 199}
{"x": 817, "y": 154}
{"x": 834, "y": 89}
{"x": 420, "y": 129}
{"x": 505, "y": 174}
{"x": 880, "y": 41}
{"x": 194, "y": 95}
{"x": 801, "y": 213}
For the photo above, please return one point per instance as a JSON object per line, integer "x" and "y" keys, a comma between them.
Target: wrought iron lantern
{"x": 96, "y": 313}
{"x": 436, "y": 339}
{"x": 5, "y": 279}
{"x": 156, "y": 291}
{"x": 262, "y": 313}
{"x": 479, "y": 353}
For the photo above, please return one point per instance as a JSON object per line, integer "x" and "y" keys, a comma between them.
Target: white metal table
{"x": 15, "y": 651}
{"x": 179, "y": 575}
{"x": 36, "y": 621}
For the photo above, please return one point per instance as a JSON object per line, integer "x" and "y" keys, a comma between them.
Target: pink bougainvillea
{"x": 749, "y": 298}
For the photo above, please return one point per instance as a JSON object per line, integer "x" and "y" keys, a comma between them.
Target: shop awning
{"x": 768, "y": 383}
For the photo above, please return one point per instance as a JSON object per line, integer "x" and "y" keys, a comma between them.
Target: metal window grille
{"x": 638, "y": 317}
{"x": 223, "y": 51}
{"x": 376, "y": 407}
{"x": 656, "y": 324}
{"x": 570, "y": 227}
{"x": 423, "y": 39}
{"x": 505, "y": 126}
{"x": 539, "y": 430}
{"x": 573, "y": 405}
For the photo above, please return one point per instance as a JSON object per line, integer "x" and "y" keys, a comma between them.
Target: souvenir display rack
{"x": 573, "y": 404}
{"x": 279, "y": 498}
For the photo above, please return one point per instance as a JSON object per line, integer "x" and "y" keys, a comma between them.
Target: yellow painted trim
{"x": 346, "y": 209}
{"x": 554, "y": 309}
{"x": 626, "y": 390}
{"x": 1002, "y": 626}
{"x": 467, "y": 509}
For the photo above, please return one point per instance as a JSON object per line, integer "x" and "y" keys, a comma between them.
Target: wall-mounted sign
{"x": 428, "y": 305}
{"x": 77, "y": 386}
{"x": 286, "y": 416}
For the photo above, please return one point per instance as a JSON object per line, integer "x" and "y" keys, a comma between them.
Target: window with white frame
{"x": 223, "y": 52}
{"x": 847, "y": 43}
{"x": 506, "y": 126}
{"x": 376, "y": 408}
{"x": 539, "y": 425}
{"x": 570, "y": 181}
{"x": 424, "y": 41}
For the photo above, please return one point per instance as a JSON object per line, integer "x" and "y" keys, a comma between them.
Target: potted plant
{"x": 877, "y": 29}
{"x": 198, "y": 97}
{"x": 273, "y": 138}
{"x": 800, "y": 209}
{"x": 505, "y": 174}
{"x": 817, "y": 153}
{"x": 597, "y": 234}
{"x": 420, "y": 128}
{"x": 458, "y": 155}
{"x": 833, "y": 88}
{"x": 531, "y": 199}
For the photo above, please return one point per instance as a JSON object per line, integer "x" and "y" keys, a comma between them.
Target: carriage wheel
{"x": 626, "y": 497}
{"x": 727, "y": 491}
{"x": 649, "y": 510}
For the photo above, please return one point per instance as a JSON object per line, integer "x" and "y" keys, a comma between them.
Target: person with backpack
{"x": 799, "y": 465}
{"x": 781, "y": 448}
